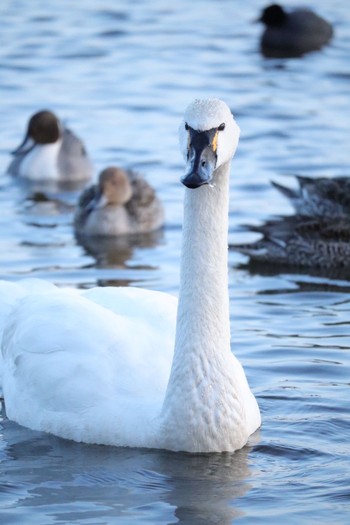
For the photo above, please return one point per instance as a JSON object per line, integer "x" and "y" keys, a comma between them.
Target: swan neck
{"x": 203, "y": 312}
{"x": 203, "y": 409}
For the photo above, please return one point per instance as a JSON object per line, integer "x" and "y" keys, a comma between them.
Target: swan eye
{"x": 187, "y": 126}
{"x": 221, "y": 127}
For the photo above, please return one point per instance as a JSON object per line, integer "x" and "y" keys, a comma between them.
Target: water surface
{"x": 120, "y": 74}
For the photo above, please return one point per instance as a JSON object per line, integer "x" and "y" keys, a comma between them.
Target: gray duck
{"x": 122, "y": 202}
{"x": 303, "y": 242}
{"x": 319, "y": 197}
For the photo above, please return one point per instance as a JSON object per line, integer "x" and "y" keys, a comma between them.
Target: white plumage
{"x": 89, "y": 367}
{"x": 99, "y": 366}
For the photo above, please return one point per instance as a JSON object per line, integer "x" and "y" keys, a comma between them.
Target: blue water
{"x": 120, "y": 74}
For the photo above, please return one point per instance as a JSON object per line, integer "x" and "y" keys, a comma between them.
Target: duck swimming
{"x": 301, "y": 241}
{"x": 121, "y": 203}
{"x": 127, "y": 366}
{"x": 292, "y": 33}
{"x": 319, "y": 197}
{"x": 50, "y": 152}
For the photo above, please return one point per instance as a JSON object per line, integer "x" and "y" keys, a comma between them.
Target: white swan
{"x": 99, "y": 366}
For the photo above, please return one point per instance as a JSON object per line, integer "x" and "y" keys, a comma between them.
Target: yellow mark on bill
{"x": 215, "y": 141}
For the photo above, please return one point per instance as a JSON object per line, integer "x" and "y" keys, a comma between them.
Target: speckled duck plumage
{"x": 131, "y": 207}
{"x": 319, "y": 197}
{"x": 299, "y": 241}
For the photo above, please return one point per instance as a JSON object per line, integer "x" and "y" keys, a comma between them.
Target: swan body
{"x": 301, "y": 241}
{"x": 50, "y": 152}
{"x": 122, "y": 202}
{"x": 101, "y": 366}
{"x": 292, "y": 33}
{"x": 319, "y": 197}
{"x": 89, "y": 383}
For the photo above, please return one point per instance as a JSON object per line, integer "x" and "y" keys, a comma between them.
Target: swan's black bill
{"x": 193, "y": 181}
{"x": 201, "y": 157}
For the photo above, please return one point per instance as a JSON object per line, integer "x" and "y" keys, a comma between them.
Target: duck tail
{"x": 287, "y": 192}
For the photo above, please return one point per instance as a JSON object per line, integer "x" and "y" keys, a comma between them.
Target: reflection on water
{"x": 116, "y": 251}
{"x": 128, "y": 485}
{"x": 121, "y": 76}
{"x": 328, "y": 278}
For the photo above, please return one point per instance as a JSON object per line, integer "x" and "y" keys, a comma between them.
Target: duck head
{"x": 273, "y": 16}
{"x": 43, "y": 128}
{"x": 113, "y": 189}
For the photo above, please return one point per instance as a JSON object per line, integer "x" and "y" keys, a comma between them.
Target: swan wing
{"x": 78, "y": 367}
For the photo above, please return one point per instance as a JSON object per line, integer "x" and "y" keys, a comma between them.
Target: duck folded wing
{"x": 144, "y": 207}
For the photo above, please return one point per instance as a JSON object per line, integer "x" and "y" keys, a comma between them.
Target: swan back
{"x": 104, "y": 383}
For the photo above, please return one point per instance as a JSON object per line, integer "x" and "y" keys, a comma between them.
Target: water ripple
{"x": 121, "y": 76}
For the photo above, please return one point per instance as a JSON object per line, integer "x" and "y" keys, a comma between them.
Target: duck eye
{"x": 221, "y": 127}
{"x": 186, "y": 126}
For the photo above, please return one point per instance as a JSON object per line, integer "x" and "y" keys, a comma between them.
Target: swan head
{"x": 208, "y": 139}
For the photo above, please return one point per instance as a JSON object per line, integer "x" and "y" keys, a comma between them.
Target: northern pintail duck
{"x": 320, "y": 197}
{"x": 300, "y": 241}
{"x": 292, "y": 33}
{"x": 50, "y": 152}
{"x": 122, "y": 202}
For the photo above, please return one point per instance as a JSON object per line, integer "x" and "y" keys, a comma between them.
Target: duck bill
{"x": 101, "y": 201}
{"x": 25, "y": 147}
{"x": 95, "y": 201}
{"x": 201, "y": 163}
